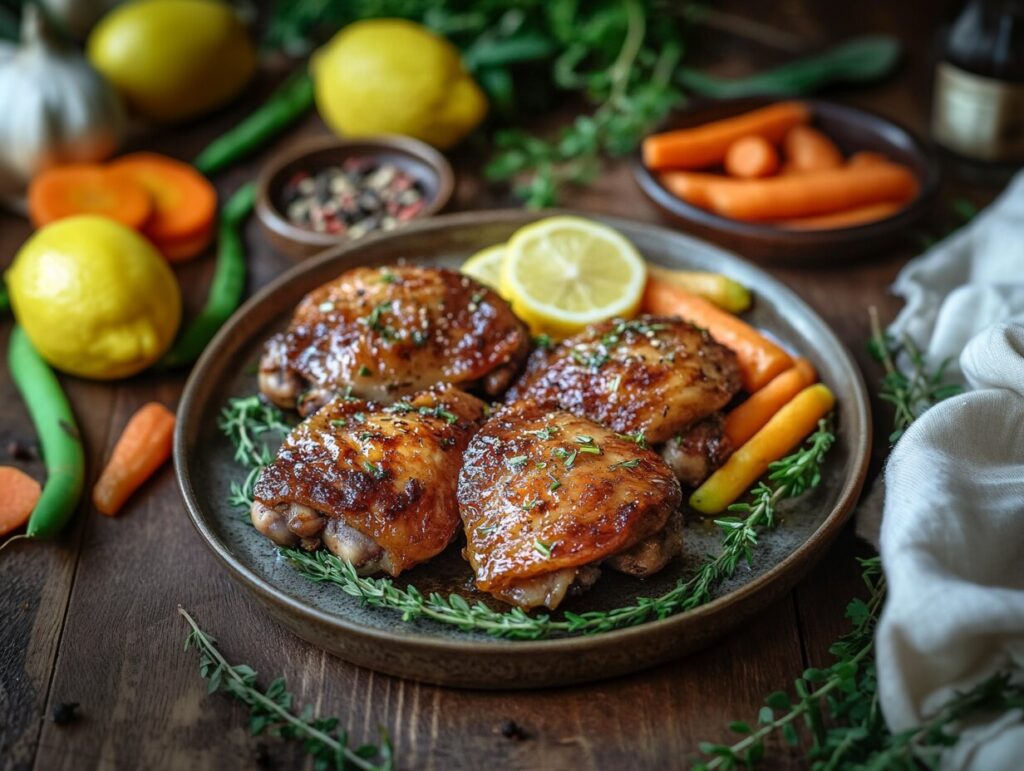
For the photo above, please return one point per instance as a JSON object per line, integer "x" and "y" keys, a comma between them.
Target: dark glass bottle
{"x": 978, "y": 105}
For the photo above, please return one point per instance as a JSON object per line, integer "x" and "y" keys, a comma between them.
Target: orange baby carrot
{"x": 706, "y": 145}
{"x": 87, "y": 188}
{"x": 19, "y": 497}
{"x": 759, "y": 358}
{"x": 866, "y": 158}
{"x": 747, "y": 419}
{"x": 859, "y": 215}
{"x": 786, "y": 429}
{"x": 751, "y": 157}
{"x": 691, "y": 186}
{"x": 812, "y": 193}
{"x": 144, "y": 446}
{"x": 185, "y": 201}
{"x": 807, "y": 149}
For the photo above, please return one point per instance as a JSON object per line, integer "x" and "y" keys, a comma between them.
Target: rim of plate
{"x": 836, "y": 518}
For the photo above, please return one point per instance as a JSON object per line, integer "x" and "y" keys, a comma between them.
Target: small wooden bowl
{"x": 852, "y": 130}
{"x": 416, "y": 158}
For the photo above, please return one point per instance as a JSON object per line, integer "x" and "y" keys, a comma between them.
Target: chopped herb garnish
{"x": 364, "y": 435}
{"x": 584, "y": 439}
{"x": 542, "y": 548}
{"x": 638, "y": 438}
{"x": 543, "y": 340}
{"x": 476, "y": 299}
{"x": 519, "y": 461}
{"x": 542, "y": 464}
{"x": 359, "y": 417}
{"x": 593, "y": 360}
{"x": 339, "y": 422}
{"x": 387, "y": 277}
{"x": 590, "y": 449}
{"x": 374, "y": 469}
{"x": 625, "y": 464}
{"x": 399, "y": 408}
{"x": 529, "y": 505}
{"x": 347, "y": 395}
{"x": 545, "y": 433}
{"x": 440, "y": 412}
{"x": 419, "y": 337}
{"x": 569, "y": 456}
{"x": 613, "y": 386}
{"x": 373, "y": 320}
{"x": 555, "y": 484}
{"x": 485, "y": 529}
{"x": 365, "y": 371}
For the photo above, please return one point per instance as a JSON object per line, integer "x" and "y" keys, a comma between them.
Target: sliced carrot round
{"x": 20, "y": 496}
{"x": 185, "y": 201}
{"x": 87, "y": 188}
{"x": 182, "y": 249}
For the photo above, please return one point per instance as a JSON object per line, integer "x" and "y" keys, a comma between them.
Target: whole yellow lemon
{"x": 173, "y": 59}
{"x": 390, "y": 76}
{"x": 95, "y": 298}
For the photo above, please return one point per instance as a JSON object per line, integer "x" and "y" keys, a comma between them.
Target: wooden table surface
{"x": 91, "y": 618}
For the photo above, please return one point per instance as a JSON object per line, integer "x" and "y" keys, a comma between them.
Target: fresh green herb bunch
{"x": 272, "y": 712}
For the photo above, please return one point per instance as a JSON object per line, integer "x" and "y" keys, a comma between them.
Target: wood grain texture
{"x": 91, "y": 617}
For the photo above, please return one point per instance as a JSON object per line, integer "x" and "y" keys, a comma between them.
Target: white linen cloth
{"x": 952, "y": 525}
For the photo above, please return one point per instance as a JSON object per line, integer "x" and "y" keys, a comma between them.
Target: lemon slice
{"x": 563, "y": 273}
{"x": 485, "y": 266}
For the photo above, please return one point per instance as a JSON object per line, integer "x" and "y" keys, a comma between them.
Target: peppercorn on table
{"x": 91, "y": 618}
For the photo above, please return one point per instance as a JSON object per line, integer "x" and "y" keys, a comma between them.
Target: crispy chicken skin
{"x": 651, "y": 375}
{"x": 375, "y": 484}
{"x": 382, "y": 333}
{"x": 546, "y": 496}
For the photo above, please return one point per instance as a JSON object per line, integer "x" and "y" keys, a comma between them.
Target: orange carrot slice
{"x": 786, "y": 429}
{"x": 807, "y": 149}
{"x": 751, "y": 157}
{"x": 859, "y": 215}
{"x": 20, "y": 496}
{"x": 706, "y": 145}
{"x": 812, "y": 193}
{"x": 144, "y": 446}
{"x": 759, "y": 358}
{"x": 185, "y": 201}
{"x": 748, "y": 418}
{"x": 86, "y": 188}
{"x": 182, "y": 249}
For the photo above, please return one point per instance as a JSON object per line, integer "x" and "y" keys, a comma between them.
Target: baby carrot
{"x": 748, "y": 418}
{"x": 21, "y": 494}
{"x": 782, "y": 433}
{"x": 816, "y": 192}
{"x": 759, "y": 358}
{"x": 706, "y": 145}
{"x": 859, "y": 215}
{"x": 807, "y": 149}
{"x": 751, "y": 157}
{"x": 726, "y": 293}
{"x": 692, "y": 186}
{"x": 144, "y": 446}
{"x": 866, "y": 158}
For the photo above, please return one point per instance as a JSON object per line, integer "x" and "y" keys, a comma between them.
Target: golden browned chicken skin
{"x": 382, "y": 333}
{"x": 375, "y": 484}
{"x": 547, "y": 496}
{"x": 649, "y": 375}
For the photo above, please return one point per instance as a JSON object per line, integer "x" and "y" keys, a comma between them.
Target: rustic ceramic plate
{"x": 424, "y": 650}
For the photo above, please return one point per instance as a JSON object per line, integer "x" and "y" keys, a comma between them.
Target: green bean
{"x": 226, "y": 288}
{"x": 5, "y": 298}
{"x": 855, "y": 61}
{"x": 59, "y": 440}
{"x": 291, "y": 101}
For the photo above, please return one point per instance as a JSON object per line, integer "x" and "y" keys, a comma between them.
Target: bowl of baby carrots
{"x": 792, "y": 181}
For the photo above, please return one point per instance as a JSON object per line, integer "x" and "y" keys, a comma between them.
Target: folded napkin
{"x": 952, "y": 523}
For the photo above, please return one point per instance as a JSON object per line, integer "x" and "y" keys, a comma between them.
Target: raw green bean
{"x": 285, "y": 106}
{"x": 855, "y": 61}
{"x": 226, "y": 288}
{"x": 59, "y": 440}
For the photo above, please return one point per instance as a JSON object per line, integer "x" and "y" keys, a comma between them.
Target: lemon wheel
{"x": 485, "y": 266}
{"x": 563, "y": 273}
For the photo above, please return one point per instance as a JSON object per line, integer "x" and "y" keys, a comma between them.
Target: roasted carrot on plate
{"x": 726, "y": 293}
{"x": 20, "y": 494}
{"x": 706, "y": 145}
{"x": 786, "y": 429}
{"x": 759, "y": 358}
{"x": 808, "y": 149}
{"x": 144, "y": 446}
{"x": 751, "y": 157}
{"x": 745, "y": 420}
{"x": 87, "y": 188}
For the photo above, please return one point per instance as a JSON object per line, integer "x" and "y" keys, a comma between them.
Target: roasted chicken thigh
{"x": 375, "y": 484}
{"x": 546, "y": 497}
{"x": 382, "y": 333}
{"x": 660, "y": 378}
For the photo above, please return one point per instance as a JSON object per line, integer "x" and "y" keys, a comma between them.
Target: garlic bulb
{"x": 56, "y": 107}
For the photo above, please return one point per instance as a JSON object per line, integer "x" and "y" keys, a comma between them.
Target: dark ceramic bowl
{"x": 416, "y": 158}
{"x": 852, "y": 130}
{"x": 426, "y": 650}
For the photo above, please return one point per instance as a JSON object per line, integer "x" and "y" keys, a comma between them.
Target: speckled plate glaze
{"x": 424, "y": 650}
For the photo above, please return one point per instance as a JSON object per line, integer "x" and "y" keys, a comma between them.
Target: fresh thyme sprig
{"x": 910, "y": 394}
{"x": 243, "y": 421}
{"x": 787, "y": 478}
{"x": 272, "y": 712}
